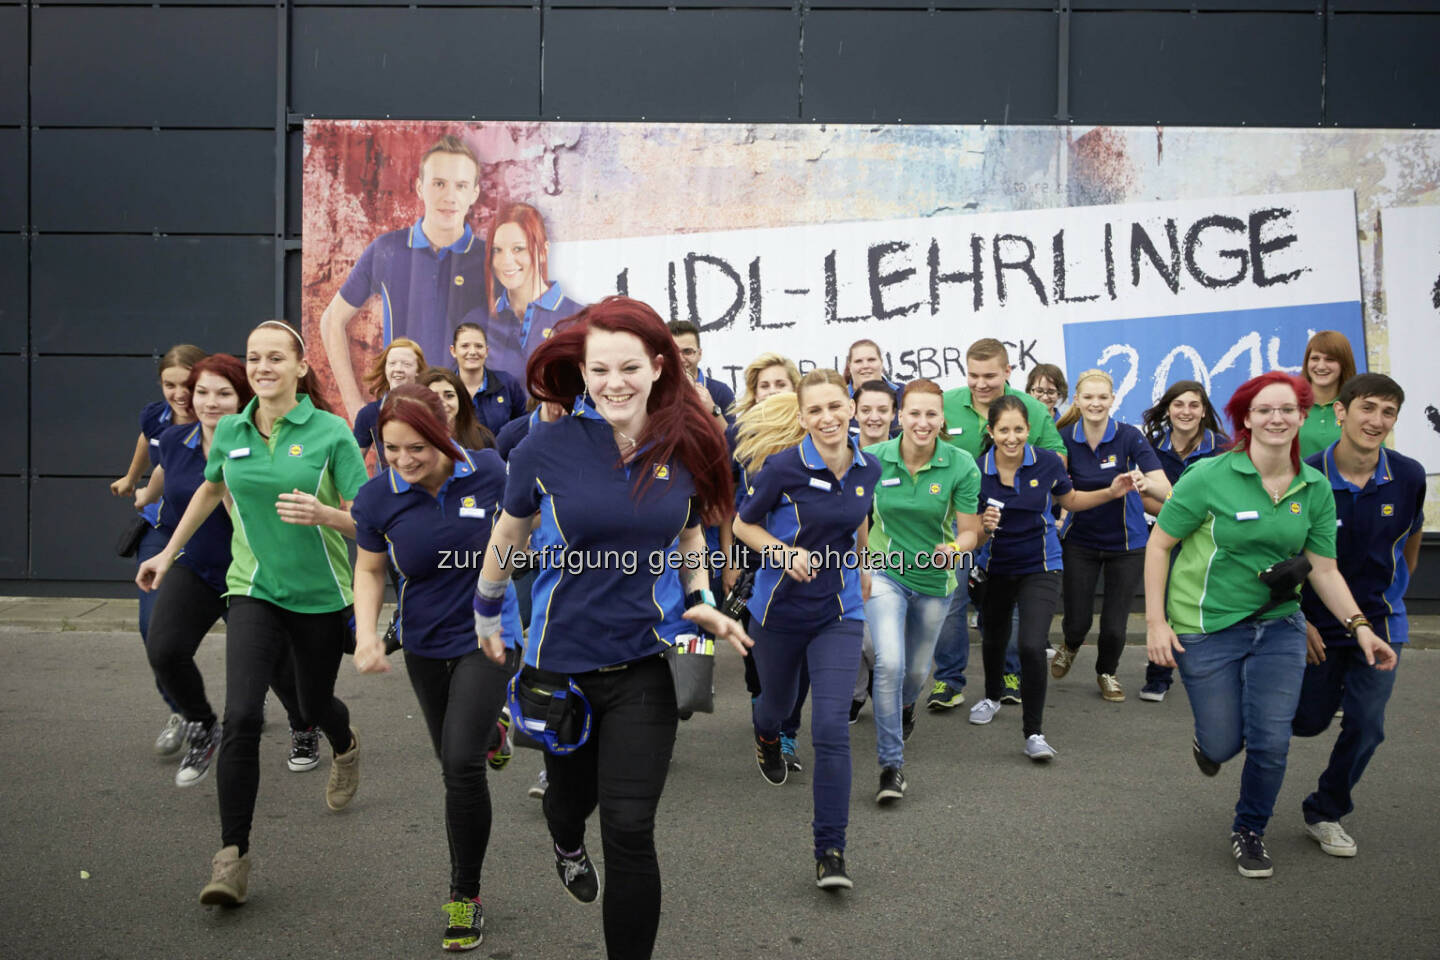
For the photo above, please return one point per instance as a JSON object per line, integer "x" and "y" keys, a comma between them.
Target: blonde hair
{"x": 767, "y": 427}
{"x": 752, "y": 376}
{"x": 376, "y": 380}
{"x": 1073, "y": 414}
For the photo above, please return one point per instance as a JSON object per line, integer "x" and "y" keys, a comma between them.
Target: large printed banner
{"x": 1412, "y": 289}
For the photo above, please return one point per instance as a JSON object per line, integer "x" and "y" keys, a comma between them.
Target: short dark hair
{"x": 469, "y": 325}
{"x": 450, "y": 143}
{"x": 677, "y": 327}
{"x": 1370, "y": 385}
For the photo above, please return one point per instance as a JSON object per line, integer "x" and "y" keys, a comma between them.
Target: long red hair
{"x": 678, "y": 425}
{"x": 223, "y": 365}
{"x": 421, "y": 409}
{"x": 528, "y": 219}
{"x": 1239, "y": 405}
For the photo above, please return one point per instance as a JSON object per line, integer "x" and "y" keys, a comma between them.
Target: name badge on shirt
{"x": 154, "y": 441}
{"x": 997, "y": 504}
{"x": 892, "y": 482}
{"x": 819, "y": 484}
{"x": 1248, "y": 515}
{"x": 955, "y": 431}
{"x": 476, "y": 512}
{"x": 1108, "y": 464}
{"x": 1339, "y": 522}
{"x": 239, "y": 452}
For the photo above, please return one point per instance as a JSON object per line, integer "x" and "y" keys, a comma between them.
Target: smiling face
{"x": 272, "y": 365}
{"x": 864, "y": 364}
{"x": 513, "y": 260}
{"x": 1367, "y": 422}
{"x": 689, "y": 346}
{"x": 1324, "y": 370}
{"x": 214, "y": 397}
{"x": 619, "y": 375}
{"x": 173, "y": 385}
{"x": 1011, "y": 432}
{"x": 1186, "y": 411}
{"x": 922, "y": 418}
{"x": 401, "y": 366}
{"x": 1273, "y": 418}
{"x": 1044, "y": 391}
{"x": 825, "y": 412}
{"x": 773, "y": 380}
{"x": 986, "y": 379}
{"x": 470, "y": 351}
{"x": 1095, "y": 398}
{"x": 446, "y": 392}
{"x": 874, "y": 411}
{"x": 417, "y": 462}
{"x": 447, "y": 186}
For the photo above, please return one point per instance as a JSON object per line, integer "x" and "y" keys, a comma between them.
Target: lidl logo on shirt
{"x": 1295, "y": 507}
{"x": 1034, "y": 483}
{"x": 1109, "y": 463}
{"x": 1387, "y": 510}
{"x": 296, "y": 449}
{"x": 859, "y": 491}
{"x": 546, "y": 332}
{"x": 467, "y": 501}
{"x": 934, "y": 488}
{"x": 662, "y": 471}
{"x": 459, "y": 280}
{"x": 500, "y": 399}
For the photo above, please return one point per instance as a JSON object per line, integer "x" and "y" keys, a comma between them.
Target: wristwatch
{"x": 1356, "y": 622}
{"x": 696, "y": 597}
{"x": 715, "y": 411}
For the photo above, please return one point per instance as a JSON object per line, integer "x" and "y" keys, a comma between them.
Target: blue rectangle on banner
{"x": 1221, "y": 350}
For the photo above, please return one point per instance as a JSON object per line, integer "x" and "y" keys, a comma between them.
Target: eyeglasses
{"x": 1044, "y": 392}
{"x": 689, "y": 352}
{"x": 1265, "y": 413}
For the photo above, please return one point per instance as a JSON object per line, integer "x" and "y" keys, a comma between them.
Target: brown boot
{"x": 229, "y": 879}
{"x": 344, "y": 775}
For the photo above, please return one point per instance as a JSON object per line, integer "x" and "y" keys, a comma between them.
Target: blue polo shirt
{"x": 1025, "y": 541}
{"x": 597, "y": 594}
{"x": 513, "y": 432}
{"x": 437, "y": 546}
{"x": 155, "y": 419}
{"x": 1119, "y": 524}
{"x": 424, "y": 294}
{"x": 207, "y": 553}
{"x": 367, "y": 430}
{"x": 512, "y": 339}
{"x": 797, "y": 499}
{"x": 499, "y": 400}
{"x": 1371, "y": 528}
{"x": 720, "y": 392}
{"x": 1211, "y": 444}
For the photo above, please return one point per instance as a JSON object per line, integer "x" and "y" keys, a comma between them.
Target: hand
{"x": 550, "y": 412}
{"x": 798, "y": 565}
{"x": 494, "y": 647}
{"x": 943, "y": 556}
{"x": 728, "y": 578}
{"x": 1378, "y": 653}
{"x": 300, "y": 508}
{"x": 1314, "y": 646}
{"x": 865, "y": 584}
{"x": 141, "y": 499}
{"x": 1122, "y": 484}
{"x": 719, "y": 626}
{"x": 370, "y": 655}
{"x": 123, "y": 487}
{"x": 1161, "y": 644}
{"x": 1140, "y": 480}
{"x": 704, "y": 392}
{"x": 152, "y": 571}
{"x": 990, "y": 519}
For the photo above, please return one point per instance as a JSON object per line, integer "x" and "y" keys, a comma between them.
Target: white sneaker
{"x": 984, "y": 711}
{"x": 1037, "y": 749}
{"x": 538, "y": 788}
{"x": 172, "y": 737}
{"x": 1332, "y": 838}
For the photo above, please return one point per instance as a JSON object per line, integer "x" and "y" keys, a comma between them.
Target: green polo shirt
{"x": 1230, "y": 531}
{"x": 1319, "y": 430}
{"x": 966, "y": 429}
{"x": 914, "y": 514}
{"x": 299, "y": 568}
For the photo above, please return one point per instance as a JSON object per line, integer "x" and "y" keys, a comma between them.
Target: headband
{"x": 293, "y": 332}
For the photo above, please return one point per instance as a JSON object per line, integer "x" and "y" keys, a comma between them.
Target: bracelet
{"x": 697, "y": 597}
{"x": 1356, "y": 622}
{"x": 487, "y": 606}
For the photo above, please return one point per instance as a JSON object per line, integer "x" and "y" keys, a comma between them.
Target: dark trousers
{"x": 1037, "y": 595}
{"x": 460, "y": 699}
{"x": 152, "y": 541}
{"x": 621, "y": 769}
{"x": 1123, "y": 571}
{"x": 258, "y": 637}
{"x": 185, "y": 609}
{"x": 790, "y": 726}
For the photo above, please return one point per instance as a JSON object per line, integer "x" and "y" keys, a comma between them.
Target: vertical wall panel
{"x": 14, "y": 384}
{"x": 14, "y": 306}
{"x": 12, "y": 65}
{"x": 73, "y": 527}
{"x": 14, "y": 528}
{"x": 94, "y": 403}
{"x": 13, "y": 180}
{"x": 1383, "y": 71}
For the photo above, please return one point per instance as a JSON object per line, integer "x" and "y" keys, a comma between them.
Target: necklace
{"x": 629, "y": 440}
{"x": 1274, "y": 496}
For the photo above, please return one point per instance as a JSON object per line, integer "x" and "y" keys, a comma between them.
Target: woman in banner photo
{"x": 1046, "y": 383}
{"x": 193, "y": 595}
{"x": 157, "y": 416}
{"x": 639, "y": 463}
{"x": 1231, "y": 617}
{"x": 1329, "y": 362}
{"x": 459, "y": 416}
{"x": 288, "y": 582}
{"x": 924, "y": 520}
{"x": 495, "y": 396}
{"x": 1108, "y": 539}
{"x": 435, "y": 503}
{"x": 1020, "y": 561}
{"x": 529, "y": 304}
{"x": 1182, "y": 427}
{"x": 806, "y": 512}
{"x": 400, "y": 362}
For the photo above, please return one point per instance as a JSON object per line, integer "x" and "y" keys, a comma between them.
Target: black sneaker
{"x": 767, "y": 757}
{"x": 464, "y": 924}
{"x": 304, "y": 750}
{"x": 788, "y": 754}
{"x": 855, "y": 707}
{"x": 1250, "y": 856}
{"x": 1207, "y": 766}
{"x": 577, "y": 873}
{"x": 907, "y": 722}
{"x": 830, "y": 871}
{"x": 892, "y": 785}
{"x": 203, "y": 744}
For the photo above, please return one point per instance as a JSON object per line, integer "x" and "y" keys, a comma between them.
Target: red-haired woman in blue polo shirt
{"x": 530, "y": 304}
{"x": 401, "y": 361}
{"x": 639, "y": 463}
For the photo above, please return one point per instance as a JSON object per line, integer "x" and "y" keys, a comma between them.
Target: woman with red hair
{"x": 530, "y": 304}
{"x": 1231, "y": 619}
{"x": 1329, "y": 362}
{"x": 400, "y": 362}
{"x": 639, "y": 464}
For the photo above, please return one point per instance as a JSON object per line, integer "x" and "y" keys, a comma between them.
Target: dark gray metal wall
{"x": 150, "y": 153}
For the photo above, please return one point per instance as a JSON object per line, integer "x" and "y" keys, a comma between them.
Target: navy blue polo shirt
{"x": 207, "y": 553}
{"x": 424, "y": 294}
{"x": 720, "y": 392}
{"x": 367, "y": 430}
{"x": 513, "y": 432}
{"x": 1211, "y": 444}
{"x": 512, "y": 339}
{"x": 1119, "y": 524}
{"x": 797, "y": 499}
{"x": 155, "y": 419}
{"x": 499, "y": 400}
{"x": 1371, "y": 528}
{"x": 1025, "y": 541}
{"x": 597, "y": 594}
{"x": 437, "y": 546}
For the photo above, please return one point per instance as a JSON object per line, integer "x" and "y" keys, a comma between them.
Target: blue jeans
{"x": 832, "y": 654}
{"x": 1244, "y": 685}
{"x": 151, "y": 543}
{"x": 903, "y": 625}
{"x": 1343, "y": 680}
{"x": 952, "y": 649}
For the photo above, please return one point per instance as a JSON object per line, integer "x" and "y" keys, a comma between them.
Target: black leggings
{"x": 185, "y": 610}
{"x": 460, "y": 699}
{"x": 1037, "y": 595}
{"x": 259, "y": 636}
{"x": 1123, "y": 572}
{"x": 622, "y": 770}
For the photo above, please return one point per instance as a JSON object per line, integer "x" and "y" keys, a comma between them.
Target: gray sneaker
{"x": 1037, "y": 749}
{"x": 344, "y": 775}
{"x": 1332, "y": 838}
{"x": 984, "y": 711}
{"x": 172, "y": 737}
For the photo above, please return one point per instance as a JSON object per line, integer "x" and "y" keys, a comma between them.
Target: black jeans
{"x": 460, "y": 699}
{"x": 1123, "y": 571}
{"x": 621, "y": 769}
{"x": 258, "y": 638}
{"x": 184, "y": 611}
{"x": 1037, "y": 595}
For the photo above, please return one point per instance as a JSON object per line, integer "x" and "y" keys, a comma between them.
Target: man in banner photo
{"x": 429, "y": 276}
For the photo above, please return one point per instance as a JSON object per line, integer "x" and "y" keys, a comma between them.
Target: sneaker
{"x": 1064, "y": 660}
{"x": 500, "y": 755}
{"x": 767, "y": 757}
{"x": 538, "y": 788}
{"x": 1250, "y": 856}
{"x": 1154, "y": 691}
{"x": 943, "y": 696}
{"x": 172, "y": 736}
{"x": 1110, "y": 689}
{"x": 907, "y": 721}
{"x": 1332, "y": 838}
{"x": 577, "y": 873}
{"x": 1207, "y": 766}
{"x": 984, "y": 711}
{"x": 892, "y": 785}
{"x": 1037, "y": 749}
{"x": 203, "y": 744}
{"x": 304, "y": 749}
{"x": 855, "y": 708}
{"x": 830, "y": 871}
{"x": 229, "y": 879}
{"x": 1011, "y": 693}
{"x": 788, "y": 754}
{"x": 465, "y": 920}
{"x": 344, "y": 775}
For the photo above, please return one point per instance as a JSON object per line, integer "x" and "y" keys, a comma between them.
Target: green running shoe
{"x": 466, "y": 920}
